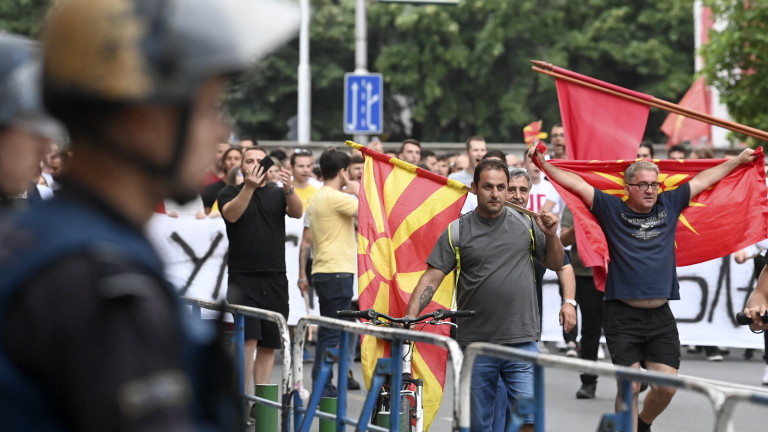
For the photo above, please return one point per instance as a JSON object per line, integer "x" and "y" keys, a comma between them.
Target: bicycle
{"x": 410, "y": 394}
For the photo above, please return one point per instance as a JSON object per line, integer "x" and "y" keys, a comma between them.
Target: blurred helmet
{"x": 155, "y": 51}
{"x": 20, "y": 103}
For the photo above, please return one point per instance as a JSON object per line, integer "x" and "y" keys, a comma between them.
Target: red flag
{"x": 402, "y": 212}
{"x": 679, "y": 128}
{"x": 532, "y": 133}
{"x": 600, "y": 125}
{"x": 706, "y": 229}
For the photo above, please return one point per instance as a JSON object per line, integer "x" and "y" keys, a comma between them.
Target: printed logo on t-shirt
{"x": 536, "y": 202}
{"x": 645, "y": 226}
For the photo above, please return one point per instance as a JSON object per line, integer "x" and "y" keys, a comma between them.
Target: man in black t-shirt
{"x": 254, "y": 214}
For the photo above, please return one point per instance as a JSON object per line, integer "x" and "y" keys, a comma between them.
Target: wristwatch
{"x": 571, "y": 302}
{"x": 289, "y": 191}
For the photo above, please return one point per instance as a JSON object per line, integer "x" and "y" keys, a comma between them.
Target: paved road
{"x": 688, "y": 412}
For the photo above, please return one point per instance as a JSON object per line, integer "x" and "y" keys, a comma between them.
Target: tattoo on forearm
{"x": 426, "y": 297}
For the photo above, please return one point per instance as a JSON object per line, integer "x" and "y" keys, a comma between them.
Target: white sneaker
{"x": 600, "y": 352}
{"x": 561, "y": 345}
{"x": 571, "y": 350}
{"x": 542, "y": 348}
{"x": 765, "y": 377}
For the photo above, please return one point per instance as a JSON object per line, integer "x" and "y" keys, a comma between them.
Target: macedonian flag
{"x": 721, "y": 220}
{"x": 403, "y": 210}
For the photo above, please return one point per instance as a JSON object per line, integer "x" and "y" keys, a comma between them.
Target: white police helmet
{"x": 20, "y": 102}
{"x": 155, "y": 51}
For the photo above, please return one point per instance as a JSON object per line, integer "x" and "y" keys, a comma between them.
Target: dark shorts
{"x": 635, "y": 335}
{"x": 263, "y": 291}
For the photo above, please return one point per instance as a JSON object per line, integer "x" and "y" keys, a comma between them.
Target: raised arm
{"x": 233, "y": 210}
{"x": 293, "y": 207}
{"x": 708, "y": 177}
{"x": 566, "y": 179}
{"x": 425, "y": 289}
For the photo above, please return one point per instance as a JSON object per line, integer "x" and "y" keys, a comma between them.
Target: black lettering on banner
{"x": 702, "y": 283}
{"x": 220, "y": 276}
{"x": 198, "y": 262}
{"x": 292, "y": 238}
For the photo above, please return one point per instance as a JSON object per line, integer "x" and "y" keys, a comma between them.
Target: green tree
{"x": 642, "y": 45}
{"x": 454, "y": 71}
{"x": 464, "y": 70}
{"x": 264, "y": 100}
{"x": 22, "y": 17}
{"x": 735, "y": 60}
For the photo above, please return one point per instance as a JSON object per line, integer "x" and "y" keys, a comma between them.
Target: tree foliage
{"x": 22, "y": 17}
{"x": 735, "y": 59}
{"x": 455, "y": 71}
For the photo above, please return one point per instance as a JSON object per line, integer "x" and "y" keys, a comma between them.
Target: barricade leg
{"x": 317, "y": 387}
{"x": 298, "y": 411}
{"x": 266, "y": 416}
{"x": 240, "y": 359}
{"x": 383, "y": 369}
{"x": 623, "y": 420}
{"x": 328, "y": 405}
{"x": 342, "y": 380}
{"x": 540, "y": 399}
{"x": 395, "y": 384}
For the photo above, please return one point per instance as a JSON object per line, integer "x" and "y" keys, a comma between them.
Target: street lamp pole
{"x": 304, "y": 114}
{"x": 361, "y": 50}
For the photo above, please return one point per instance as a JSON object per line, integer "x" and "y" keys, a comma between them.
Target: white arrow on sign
{"x": 353, "y": 125}
{"x": 369, "y": 101}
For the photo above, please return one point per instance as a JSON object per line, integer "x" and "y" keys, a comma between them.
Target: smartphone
{"x": 266, "y": 164}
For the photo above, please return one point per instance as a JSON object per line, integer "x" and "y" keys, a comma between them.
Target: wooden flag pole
{"x": 508, "y": 204}
{"x": 465, "y": 187}
{"x": 546, "y": 69}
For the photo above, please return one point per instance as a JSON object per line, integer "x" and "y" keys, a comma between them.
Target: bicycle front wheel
{"x": 406, "y": 412}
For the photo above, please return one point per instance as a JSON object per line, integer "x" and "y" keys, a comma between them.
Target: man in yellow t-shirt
{"x": 331, "y": 216}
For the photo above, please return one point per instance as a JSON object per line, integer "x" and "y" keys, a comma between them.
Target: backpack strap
{"x": 454, "y": 236}
{"x": 528, "y": 222}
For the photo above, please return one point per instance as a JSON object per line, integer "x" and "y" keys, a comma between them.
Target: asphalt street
{"x": 689, "y": 411}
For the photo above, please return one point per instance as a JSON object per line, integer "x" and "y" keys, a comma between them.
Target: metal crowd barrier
{"x": 303, "y": 416}
{"x": 722, "y": 396}
{"x": 239, "y": 313}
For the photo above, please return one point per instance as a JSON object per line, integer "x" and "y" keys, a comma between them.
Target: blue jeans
{"x": 335, "y": 293}
{"x": 517, "y": 377}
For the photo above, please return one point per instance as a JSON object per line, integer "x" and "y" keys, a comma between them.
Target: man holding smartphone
{"x": 254, "y": 214}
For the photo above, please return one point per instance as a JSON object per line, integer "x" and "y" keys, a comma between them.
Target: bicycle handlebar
{"x": 745, "y": 320}
{"x": 370, "y": 314}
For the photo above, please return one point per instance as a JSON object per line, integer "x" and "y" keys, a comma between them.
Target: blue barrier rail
{"x": 721, "y": 395}
{"x": 239, "y": 313}
{"x": 303, "y": 416}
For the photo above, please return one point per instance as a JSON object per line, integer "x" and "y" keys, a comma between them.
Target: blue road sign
{"x": 363, "y": 95}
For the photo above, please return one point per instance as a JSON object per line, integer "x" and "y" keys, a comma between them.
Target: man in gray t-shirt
{"x": 497, "y": 282}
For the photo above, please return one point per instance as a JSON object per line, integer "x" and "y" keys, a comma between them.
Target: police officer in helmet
{"x": 91, "y": 335}
{"x": 26, "y": 130}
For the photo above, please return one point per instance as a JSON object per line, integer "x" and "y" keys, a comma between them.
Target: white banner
{"x": 711, "y": 293}
{"x": 194, "y": 252}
